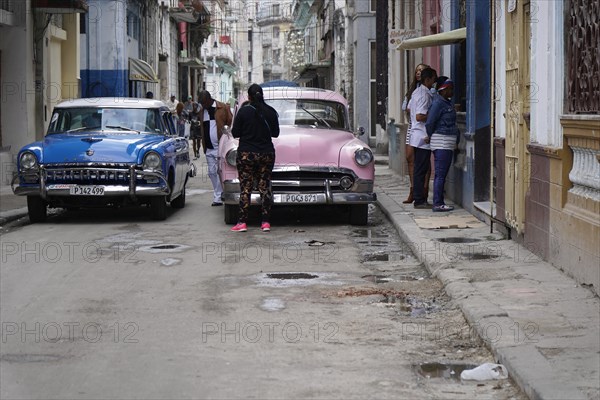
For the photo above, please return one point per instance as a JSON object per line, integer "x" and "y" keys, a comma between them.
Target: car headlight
{"x": 231, "y": 156}
{"x": 28, "y": 161}
{"x": 363, "y": 156}
{"x": 152, "y": 161}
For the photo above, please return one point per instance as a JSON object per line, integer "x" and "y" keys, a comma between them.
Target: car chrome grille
{"x": 88, "y": 174}
{"x": 307, "y": 181}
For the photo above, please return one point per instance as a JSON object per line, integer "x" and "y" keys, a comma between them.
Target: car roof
{"x": 295, "y": 93}
{"x": 117, "y": 102}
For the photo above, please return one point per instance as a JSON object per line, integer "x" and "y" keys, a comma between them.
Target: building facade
{"x": 39, "y": 67}
{"x": 547, "y": 131}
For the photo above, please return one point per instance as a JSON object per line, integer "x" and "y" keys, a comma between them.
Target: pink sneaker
{"x": 240, "y": 227}
{"x": 265, "y": 227}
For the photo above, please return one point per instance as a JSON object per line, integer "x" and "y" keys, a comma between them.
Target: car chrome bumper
{"x": 231, "y": 195}
{"x": 132, "y": 189}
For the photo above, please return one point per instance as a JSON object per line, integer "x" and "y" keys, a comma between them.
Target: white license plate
{"x": 87, "y": 190}
{"x": 300, "y": 198}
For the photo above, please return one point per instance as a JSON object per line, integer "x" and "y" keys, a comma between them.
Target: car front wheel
{"x": 158, "y": 206}
{"x": 359, "y": 214}
{"x": 37, "y": 209}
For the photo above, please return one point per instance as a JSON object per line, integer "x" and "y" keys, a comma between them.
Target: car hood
{"x": 89, "y": 147}
{"x": 310, "y": 147}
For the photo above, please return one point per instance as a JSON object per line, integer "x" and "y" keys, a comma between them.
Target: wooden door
{"x": 517, "y": 158}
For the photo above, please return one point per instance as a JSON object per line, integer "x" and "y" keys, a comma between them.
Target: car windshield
{"x": 126, "y": 120}
{"x": 318, "y": 113}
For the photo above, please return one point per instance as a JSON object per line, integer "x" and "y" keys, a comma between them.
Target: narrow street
{"x": 107, "y": 304}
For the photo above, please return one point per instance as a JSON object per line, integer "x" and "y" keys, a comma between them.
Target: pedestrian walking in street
{"x": 180, "y": 119}
{"x": 188, "y": 106}
{"x": 444, "y": 135}
{"x": 195, "y": 118}
{"x": 214, "y": 116}
{"x": 409, "y": 150}
{"x": 172, "y": 103}
{"x": 256, "y": 123}
{"x": 149, "y": 95}
{"x": 419, "y": 106}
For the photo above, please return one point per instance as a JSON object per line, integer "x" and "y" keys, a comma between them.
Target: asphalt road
{"x": 109, "y": 304}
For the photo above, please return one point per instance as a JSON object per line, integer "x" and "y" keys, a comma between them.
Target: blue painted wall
{"x": 105, "y": 83}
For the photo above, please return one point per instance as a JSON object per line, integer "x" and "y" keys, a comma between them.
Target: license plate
{"x": 300, "y": 198}
{"x": 87, "y": 190}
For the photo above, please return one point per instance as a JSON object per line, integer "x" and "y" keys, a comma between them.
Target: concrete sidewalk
{"x": 536, "y": 320}
{"x": 11, "y": 207}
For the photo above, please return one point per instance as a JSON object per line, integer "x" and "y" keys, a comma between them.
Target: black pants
{"x": 253, "y": 166}
{"x": 421, "y": 168}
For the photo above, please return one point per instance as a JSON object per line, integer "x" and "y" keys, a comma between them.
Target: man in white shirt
{"x": 419, "y": 106}
{"x": 214, "y": 116}
{"x": 172, "y": 103}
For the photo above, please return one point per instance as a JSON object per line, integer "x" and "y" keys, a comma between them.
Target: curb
{"x": 528, "y": 368}
{"x": 11, "y": 215}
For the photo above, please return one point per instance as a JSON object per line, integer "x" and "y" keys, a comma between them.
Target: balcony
{"x": 266, "y": 16}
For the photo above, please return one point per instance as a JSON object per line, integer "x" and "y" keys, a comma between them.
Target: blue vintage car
{"x": 105, "y": 152}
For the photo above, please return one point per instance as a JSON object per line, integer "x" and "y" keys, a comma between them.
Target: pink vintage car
{"x": 318, "y": 159}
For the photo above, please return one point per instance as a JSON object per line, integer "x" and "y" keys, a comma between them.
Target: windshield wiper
{"x": 123, "y": 128}
{"x": 318, "y": 119}
{"x": 83, "y": 128}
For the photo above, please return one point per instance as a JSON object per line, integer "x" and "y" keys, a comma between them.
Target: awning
{"x": 184, "y": 14}
{"x": 140, "y": 70}
{"x": 191, "y": 62}
{"x": 439, "y": 39}
{"x": 60, "y": 6}
{"x": 226, "y": 66}
{"x": 308, "y": 72}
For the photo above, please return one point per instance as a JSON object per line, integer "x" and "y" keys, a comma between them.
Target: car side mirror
{"x": 360, "y": 131}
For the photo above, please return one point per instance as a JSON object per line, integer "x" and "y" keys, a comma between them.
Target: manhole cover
{"x": 164, "y": 248}
{"x": 292, "y": 275}
{"x": 458, "y": 240}
{"x": 441, "y": 370}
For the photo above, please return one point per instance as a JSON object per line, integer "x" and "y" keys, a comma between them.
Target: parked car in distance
{"x": 105, "y": 152}
{"x": 318, "y": 159}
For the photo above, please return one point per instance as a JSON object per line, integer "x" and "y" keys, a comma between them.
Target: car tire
{"x": 158, "y": 207}
{"x": 179, "y": 202}
{"x": 231, "y": 213}
{"x": 37, "y": 209}
{"x": 359, "y": 214}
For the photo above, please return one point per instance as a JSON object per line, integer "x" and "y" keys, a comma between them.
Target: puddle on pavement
{"x": 390, "y": 278}
{"x": 377, "y": 278}
{"x": 458, "y": 240}
{"x": 287, "y": 279}
{"x": 369, "y": 233}
{"x": 410, "y": 305}
{"x": 441, "y": 370}
{"x": 481, "y": 256}
{"x": 382, "y": 256}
